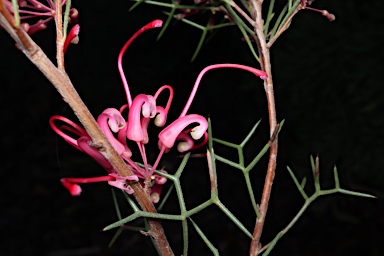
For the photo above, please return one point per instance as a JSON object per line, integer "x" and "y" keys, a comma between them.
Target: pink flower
{"x": 72, "y": 38}
{"x": 187, "y": 129}
{"x": 169, "y": 135}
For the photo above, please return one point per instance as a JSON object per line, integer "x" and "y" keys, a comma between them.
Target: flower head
{"x": 35, "y": 15}
{"x": 144, "y": 108}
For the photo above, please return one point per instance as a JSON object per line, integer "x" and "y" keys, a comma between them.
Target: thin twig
{"x": 64, "y": 86}
{"x": 241, "y": 12}
{"x": 268, "y": 86}
{"x": 59, "y": 35}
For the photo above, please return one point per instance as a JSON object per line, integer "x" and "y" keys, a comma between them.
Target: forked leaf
{"x": 298, "y": 185}
{"x": 135, "y": 5}
{"x": 273, "y": 243}
{"x": 233, "y": 218}
{"x": 115, "y": 236}
{"x": 205, "y": 239}
{"x": 277, "y": 23}
{"x": 269, "y": 17}
{"x": 250, "y": 134}
{"x": 313, "y": 166}
{"x": 303, "y": 182}
{"x": 166, "y": 23}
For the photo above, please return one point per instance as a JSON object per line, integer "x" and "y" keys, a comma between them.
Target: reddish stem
{"x": 265, "y": 63}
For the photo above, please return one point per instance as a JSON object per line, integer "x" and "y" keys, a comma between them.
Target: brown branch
{"x": 242, "y": 13}
{"x": 59, "y": 35}
{"x": 268, "y": 86}
{"x": 62, "y": 83}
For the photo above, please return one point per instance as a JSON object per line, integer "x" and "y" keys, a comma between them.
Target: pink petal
{"x": 169, "y": 135}
{"x": 121, "y": 182}
{"x": 73, "y": 37}
{"x": 146, "y": 105}
{"x": 71, "y": 127}
{"x": 186, "y": 144}
{"x": 111, "y": 119}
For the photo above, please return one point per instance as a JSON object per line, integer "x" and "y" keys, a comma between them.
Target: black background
{"x": 328, "y": 80}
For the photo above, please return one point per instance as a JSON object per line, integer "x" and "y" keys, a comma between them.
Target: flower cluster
{"x": 186, "y": 130}
{"x": 36, "y": 14}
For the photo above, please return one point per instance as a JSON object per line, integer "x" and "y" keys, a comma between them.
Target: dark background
{"x": 328, "y": 80}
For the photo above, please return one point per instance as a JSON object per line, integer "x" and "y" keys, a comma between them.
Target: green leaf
{"x": 205, "y": 239}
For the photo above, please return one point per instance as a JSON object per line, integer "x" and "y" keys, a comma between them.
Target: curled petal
{"x": 71, "y": 127}
{"x": 162, "y": 113}
{"x": 122, "y": 108}
{"x": 121, "y": 182}
{"x": 169, "y": 134}
{"x": 111, "y": 119}
{"x": 73, "y": 37}
{"x": 149, "y": 107}
{"x": 122, "y": 137}
{"x": 146, "y": 105}
{"x": 160, "y": 179}
{"x": 186, "y": 144}
{"x": 202, "y": 143}
{"x": 161, "y": 116}
{"x": 160, "y": 90}
{"x": 114, "y": 118}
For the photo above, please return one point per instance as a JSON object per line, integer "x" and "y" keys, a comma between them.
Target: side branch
{"x": 59, "y": 78}
{"x": 59, "y": 35}
{"x": 284, "y": 27}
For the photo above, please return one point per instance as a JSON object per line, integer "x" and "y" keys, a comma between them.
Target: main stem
{"x": 265, "y": 63}
{"x": 59, "y": 78}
